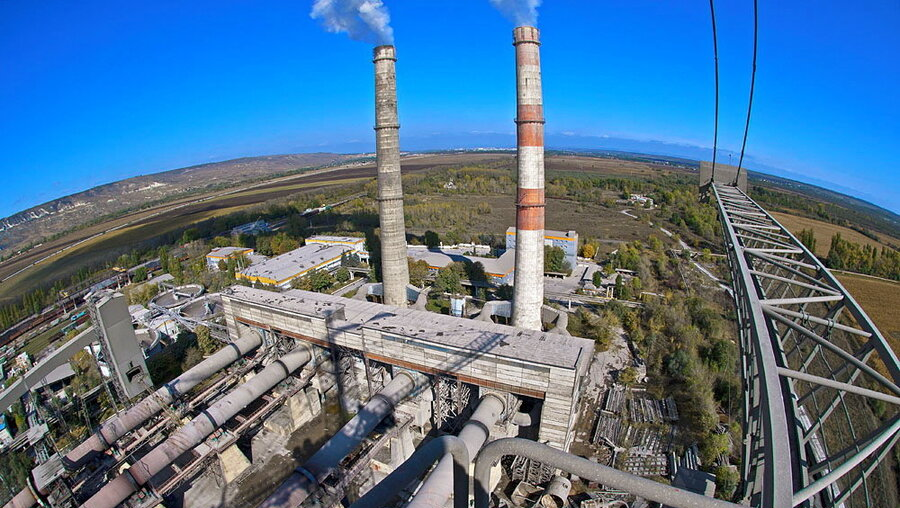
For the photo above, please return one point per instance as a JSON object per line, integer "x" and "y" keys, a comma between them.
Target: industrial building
{"x": 252, "y": 228}
{"x": 499, "y": 270}
{"x": 356, "y": 245}
{"x": 473, "y": 380}
{"x": 119, "y": 344}
{"x": 541, "y": 366}
{"x": 224, "y": 254}
{"x": 565, "y": 240}
{"x": 281, "y": 270}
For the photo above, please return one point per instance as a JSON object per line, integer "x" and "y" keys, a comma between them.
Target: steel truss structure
{"x": 821, "y": 395}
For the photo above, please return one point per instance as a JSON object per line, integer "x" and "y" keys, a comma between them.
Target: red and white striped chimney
{"x": 528, "y": 291}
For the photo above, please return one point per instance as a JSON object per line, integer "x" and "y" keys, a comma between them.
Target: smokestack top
{"x": 526, "y": 34}
{"x": 384, "y": 52}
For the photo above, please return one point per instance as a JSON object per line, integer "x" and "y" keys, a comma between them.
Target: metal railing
{"x": 820, "y": 381}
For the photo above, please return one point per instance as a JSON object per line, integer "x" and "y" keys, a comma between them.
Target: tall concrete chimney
{"x": 528, "y": 292}
{"x": 394, "y": 268}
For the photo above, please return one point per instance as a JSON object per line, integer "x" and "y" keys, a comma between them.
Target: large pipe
{"x": 125, "y": 422}
{"x": 193, "y": 433}
{"x": 586, "y": 470}
{"x": 412, "y": 469}
{"x": 437, "y": 488}
{"x": 394, "y": 268}
{"x": 528, "y": 290}
{"x": 294, "y": 491}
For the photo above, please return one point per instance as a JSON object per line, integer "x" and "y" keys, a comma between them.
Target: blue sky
{"x": 93, "y": 91}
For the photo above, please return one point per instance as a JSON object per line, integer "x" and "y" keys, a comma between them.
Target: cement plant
{"x": 306, "y": 357}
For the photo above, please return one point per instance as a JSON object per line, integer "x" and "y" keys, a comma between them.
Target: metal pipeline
{"x": 193, "y": 433}
{"x": 527, "y": 419}
{"x": 293, "y": 491}
{"x": 412, "y": 469}
{"x": 585, "y": 469}
{"x": 130, "y": 419}
{"x": 437, "y": 488}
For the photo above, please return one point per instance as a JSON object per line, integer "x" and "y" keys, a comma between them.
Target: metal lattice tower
{"x": 822, "y": 403}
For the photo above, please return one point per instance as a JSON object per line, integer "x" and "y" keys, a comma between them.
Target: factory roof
{"x": 550, "y": 233}
{"x": 293, "y": 264}
{"x": 483, "y": 337}
{"x": 349, "y": 240}
{"x": 439, "y": 258}
{"x": 228, "y": 252}
{"x": 64, "y": 371}
{"x": 165, "y": 277}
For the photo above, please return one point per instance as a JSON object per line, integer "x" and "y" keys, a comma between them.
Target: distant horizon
{"x": 722, "y": 158}
{"x": 97, "y": 92}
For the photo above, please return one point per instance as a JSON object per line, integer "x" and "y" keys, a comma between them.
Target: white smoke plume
{"x": 362, "y": 20}
{"x": 520, "y": 12}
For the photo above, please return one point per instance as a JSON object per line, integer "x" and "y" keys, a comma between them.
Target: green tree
{"x": 177, "y": 271}
{"x": 727, "y": 480}
{"x": 207, "y": 344}
{"x": 713, "y": 446}
{"x": 192, "y": 357}
{"x": 282, "y": 243}
{"x": 350, "y": 259}
{"x": 140, "y": 274}
{"x": 87, "y": 376}
{"x": 597, "y": 279}
{"x": 190, "y": 235}
{"x": 15, "y": 466}
{"x": 504, "y": 292}
{"x": 720, "y": 357}
{"x": 448, "y": 280}
{"x": 628, "y": 376}
{"x": 418, "y": 272}
{"x": 18, "y": 414}
{"x": 680, "y": 365}
{"x": 432, "y": 240}
{"x": 808, "y": 238}
{"x": 342, "y": 275}
{"x": 555, "y": 260}
{"x": 317, "y": 280}
{"x": 475, "y": 272}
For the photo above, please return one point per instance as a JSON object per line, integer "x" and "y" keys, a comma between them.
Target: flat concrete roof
{"x": 563, "y": 235}
{"x": 438, "y": 258}
{"x": 165, "y": 277}
{"x": 480, "y": 337}
{"x": 294, "y": 263}
{"x": 227, "y": 252}
{"x": 64, "y": 371}
{"x": 335, "y": 239}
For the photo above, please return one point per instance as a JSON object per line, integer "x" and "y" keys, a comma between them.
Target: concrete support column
{"x": 394, "y": 268}
{"x": 233, "y": 463}
{"x": 437, "y": 489}
{"x": 401, "y": 447}
{"x": 528, "y": 291}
